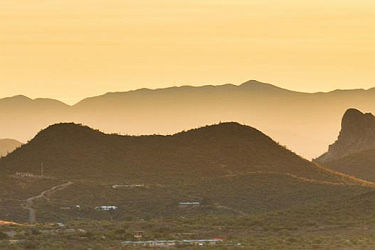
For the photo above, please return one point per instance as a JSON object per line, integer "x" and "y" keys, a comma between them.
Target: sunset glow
{"x": 70, "y": 49}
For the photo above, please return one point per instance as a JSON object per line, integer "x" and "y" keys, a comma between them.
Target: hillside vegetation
{"x": 250, "y": 191}
{"x": 229, "y": 168}
{"x": 77, "y": 152}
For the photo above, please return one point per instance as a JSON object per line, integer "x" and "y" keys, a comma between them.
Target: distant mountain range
{"x": 227, "y": 168}
{"x": 354, "y": 151}
{"x": 304, "y": 122}
{"x": 8, "y": 145}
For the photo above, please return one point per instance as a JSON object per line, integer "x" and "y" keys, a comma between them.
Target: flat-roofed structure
{"x": 173, "y": 243}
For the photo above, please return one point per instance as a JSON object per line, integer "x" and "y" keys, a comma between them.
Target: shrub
{"x": 3, "y": 236}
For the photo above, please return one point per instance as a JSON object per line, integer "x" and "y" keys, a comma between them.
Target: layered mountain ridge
{"x": 304, "y": 122}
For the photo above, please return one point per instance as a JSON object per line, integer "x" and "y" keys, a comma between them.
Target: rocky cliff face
{"x": 357, "y": 134}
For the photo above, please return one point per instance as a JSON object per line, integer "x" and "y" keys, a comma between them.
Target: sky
{"x": 71, "y": 49}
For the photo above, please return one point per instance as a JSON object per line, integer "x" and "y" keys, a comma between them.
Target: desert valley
{"x": 226, "y": 181}
{"x": 187, "y": 124}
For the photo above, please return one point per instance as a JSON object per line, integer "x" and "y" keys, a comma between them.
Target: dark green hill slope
{"x": 74, "y": 151}
{"x": 229, "y": 168}
{"x": 361, "y": 164}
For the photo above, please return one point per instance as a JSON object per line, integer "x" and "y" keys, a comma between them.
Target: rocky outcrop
{"x": 357, "y": 134}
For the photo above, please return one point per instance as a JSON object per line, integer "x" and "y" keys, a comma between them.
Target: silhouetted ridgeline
{"x": 305, "y": 122}
{"x": 75, "y": 151}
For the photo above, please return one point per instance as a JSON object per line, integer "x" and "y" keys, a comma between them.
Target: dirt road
{"x": 44, "y": 194}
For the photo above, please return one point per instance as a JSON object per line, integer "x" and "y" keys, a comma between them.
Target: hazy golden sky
{"x": 69, "y": 49}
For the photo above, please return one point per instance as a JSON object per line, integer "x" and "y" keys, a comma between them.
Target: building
{"x": 189, "y": 204}
{"x": 128, "y": 186}
{"x": 106, "y": 208}
{"x": 138, "y": 235}
{"x": 22, "y": 174}
{"x": 150, "y": 243}
{"x": 174, "y": 243}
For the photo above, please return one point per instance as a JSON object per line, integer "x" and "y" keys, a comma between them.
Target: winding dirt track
{"x": 44, "y": 194}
